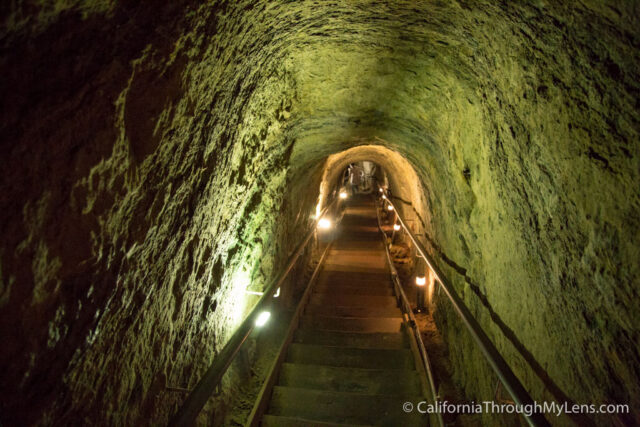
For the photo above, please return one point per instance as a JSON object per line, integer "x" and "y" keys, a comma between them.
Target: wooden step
{"x": 371, "y": 358}
{"x": 351, "y": 339}
{"x": 352, "y": 277}
{"x": 377, "y": 270}
{"x": 384, "y": 290}
{"x": 353, "y": 311}
{"x": 344, "y": 408}
{"x": 352, "y": 380}
{"x": 320, "y": 298}
{"x": 353, "y": 324}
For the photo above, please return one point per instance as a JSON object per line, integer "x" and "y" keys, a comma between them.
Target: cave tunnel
{"x": 163, "y": 163}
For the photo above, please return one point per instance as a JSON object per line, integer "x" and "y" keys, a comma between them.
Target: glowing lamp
{"x": 380, "y": 189}
{"x": 343, "y": 194}
{"x": 324, "y": 224}
{"x": 262, "y": 318}
{"x": 277, "y": 294}
{"x": 389, "y": 208}
{"x": 421, "y": 280}
{"x": 384, "y": 197}
{"x": 396, "y": 227}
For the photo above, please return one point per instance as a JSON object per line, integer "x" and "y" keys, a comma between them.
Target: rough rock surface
{"x": 157, "y": 159}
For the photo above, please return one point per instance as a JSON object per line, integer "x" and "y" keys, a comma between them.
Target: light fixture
{"x": 262, "y": 318}
{"x": 381, "y": 190}
{"x": 389, "y": 208}
{"x": 277, "y": 294}
{"x": 384, "y": 197}
{"x": 324, "y": 224}
{"x": 396, "y": 227}
{"x": 343, "y": 194}
{"x": 421, "y": 280}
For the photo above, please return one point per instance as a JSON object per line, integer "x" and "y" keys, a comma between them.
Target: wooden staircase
{"x": 350, "y": 361}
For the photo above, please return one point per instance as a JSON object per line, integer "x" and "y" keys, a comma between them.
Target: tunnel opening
{"x": 383, "y": 165}
{"x": 392, "y": 170}
{"x": 386, "y": 171}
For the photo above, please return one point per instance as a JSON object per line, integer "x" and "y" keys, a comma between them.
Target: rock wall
{"x": 144, "y": 177}
{"x": 158, "y": 159}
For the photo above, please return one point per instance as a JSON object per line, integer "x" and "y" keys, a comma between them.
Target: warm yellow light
{"x": 262, "y": 318}
{"x": 421, "y": 280}
{"x": 343, "y": 194}
{"x": 324, "y": 224}
{"x": 396, "y": 227}
{"x": 384, "y": 197}
{"x": 381, "y": 190}
{"x": 389, "y": 208}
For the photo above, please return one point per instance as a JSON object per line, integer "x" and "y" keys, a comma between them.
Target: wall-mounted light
{"x": 384, "y": 197}
{"x": 396, "y": 227}
{"x": 389, "y": 208}
{"x": 324, "y": 224}
{"x": 421, "y": 280}
{"x": 262, "y": 318}
{"x": 380, "y": 189}
{"x": 343, "y": 194}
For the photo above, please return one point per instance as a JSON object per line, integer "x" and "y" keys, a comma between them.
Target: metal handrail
{"x": 406, "y": 308}
{"x": 496, "y": 361}
{"x": 259, "y": 407}
{"x": 196, "y": 400}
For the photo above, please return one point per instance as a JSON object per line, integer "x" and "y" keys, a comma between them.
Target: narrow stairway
{"x": 350, "y": 362}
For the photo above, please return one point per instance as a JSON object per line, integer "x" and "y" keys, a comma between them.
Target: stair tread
{"x": 378, "y": 268}
{"x": 356, "y": 324}
{"x": 353, "y": 311}
{"x": 314, "y": 354}
{"x": 355, "y": 280}
{"x": 349, "y": 379}
{"x": 344, "y": 407}
{"x": 321, "y": 298}
{"x": 354, "y": 276}
{"x": 351, "y": 339}
{"x": 385, "y": 290}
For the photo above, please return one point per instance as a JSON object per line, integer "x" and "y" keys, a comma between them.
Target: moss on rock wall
{"x": 158, "y": 159}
